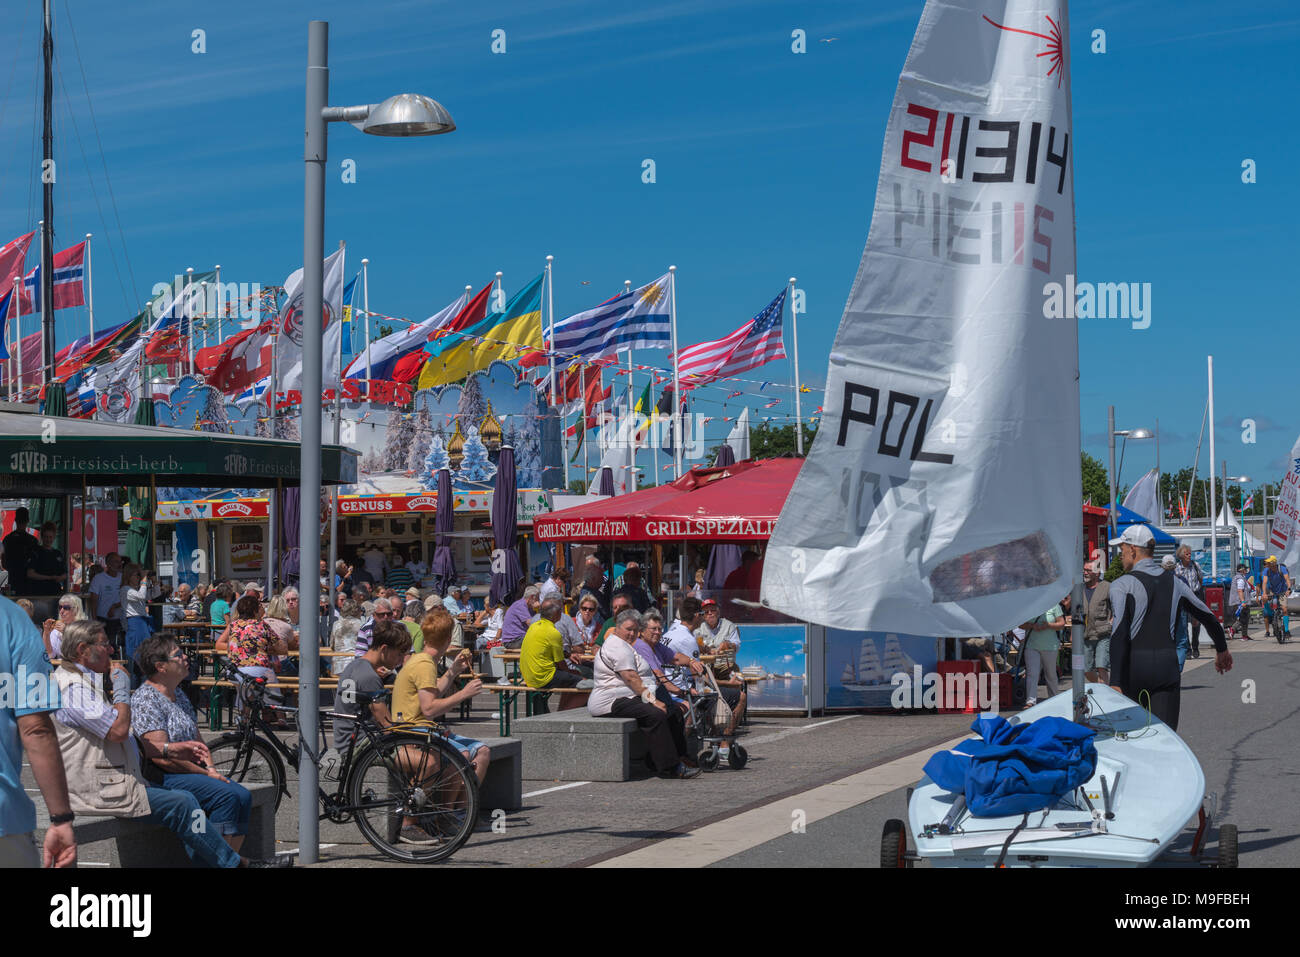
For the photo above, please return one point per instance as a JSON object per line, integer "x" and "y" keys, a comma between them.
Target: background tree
{"x": 1096, "y": 485}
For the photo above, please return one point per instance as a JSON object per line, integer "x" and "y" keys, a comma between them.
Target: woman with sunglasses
{"x": 70, "y": 610}
{"x": 163, "y": 719}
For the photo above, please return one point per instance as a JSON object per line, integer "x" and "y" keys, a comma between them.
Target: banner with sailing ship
{"x": 941, "y": 493}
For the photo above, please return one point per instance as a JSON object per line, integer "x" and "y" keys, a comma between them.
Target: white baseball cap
{"x": 1138, "y": 535}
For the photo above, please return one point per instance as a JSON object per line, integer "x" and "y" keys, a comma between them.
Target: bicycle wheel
{"x": 258, "y": 764}
{"x": 414, "y": 778}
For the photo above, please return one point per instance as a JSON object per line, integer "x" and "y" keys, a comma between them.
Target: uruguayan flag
{"x": 638, "y": 319}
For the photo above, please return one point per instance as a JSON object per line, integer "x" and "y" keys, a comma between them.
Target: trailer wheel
{"x": 1228, "y": 845}
{"x": 893, "y": 845}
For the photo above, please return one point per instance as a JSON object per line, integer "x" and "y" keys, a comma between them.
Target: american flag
{"x": 756, "y": 342}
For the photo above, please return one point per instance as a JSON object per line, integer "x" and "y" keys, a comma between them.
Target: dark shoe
{"x": 682, "y": 773}
{"x": 415, "y": 835}
{"x": 285, "y": 861}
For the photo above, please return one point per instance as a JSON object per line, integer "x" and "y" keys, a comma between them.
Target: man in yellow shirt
{"x": 541, "y": 658}
{"x": 420, "y": 696}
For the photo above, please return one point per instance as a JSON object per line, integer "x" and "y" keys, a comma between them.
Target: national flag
{"x": 499, "y": 336}
{"x": 753, "y": 344}
{"x": 172, "y": 313}
{"x": 637, "y": 319}
{"x": 1250, "y": 500}
{"x": 117, "y": 337}
{"x": 440, "y": 340}
{"x": 13, "y": 256}
{"x": 349, "y": 348}
{"x": 117, "y": 385}
{"x": 69, "y": 287}
{"x": 643, "y": 409}
{"x": 289, "y": 326}
{"x": 664, "y": 410}
{"x": 247, "y": 359}
{"x": 398, "y": 357}
{"x": 5, "y": 301}
{"x": 75, "y": 356}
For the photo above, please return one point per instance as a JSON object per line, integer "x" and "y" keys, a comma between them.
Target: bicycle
{"x": 396, "y": 774}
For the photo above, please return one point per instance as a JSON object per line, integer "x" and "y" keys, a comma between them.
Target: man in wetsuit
{"x": 1147, "y": 600}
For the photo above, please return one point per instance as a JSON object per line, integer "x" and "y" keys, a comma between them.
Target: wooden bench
{"x": 574, "y": 746}
{"x": 138, "y": 843}
{"x": 508, "y": 700}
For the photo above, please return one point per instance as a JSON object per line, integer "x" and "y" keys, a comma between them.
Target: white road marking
{"x": 728, "y": 837}
{"x": 558, "y": 787}
{"x": 295, "y": 850}
{"x": 765, "y": 739}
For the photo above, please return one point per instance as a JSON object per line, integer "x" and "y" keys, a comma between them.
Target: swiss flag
{"x": 246, "y": 360}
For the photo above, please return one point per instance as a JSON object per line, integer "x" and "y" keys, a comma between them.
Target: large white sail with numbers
{"x": 941, "y": 495}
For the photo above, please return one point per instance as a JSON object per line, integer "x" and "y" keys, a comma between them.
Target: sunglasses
{"x": 67, "y": 608}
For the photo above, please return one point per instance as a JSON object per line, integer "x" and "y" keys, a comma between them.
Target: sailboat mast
{"x": 47, "y": 228}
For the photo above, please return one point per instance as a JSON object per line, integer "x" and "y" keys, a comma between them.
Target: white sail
{"x": 944, "y": 477}
{"x": 1283, "y": 540}
{"x": 1142, "y": 498}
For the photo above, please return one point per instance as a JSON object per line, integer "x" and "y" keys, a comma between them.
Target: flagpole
{"x": 550, "y": 350}
{"x": 798, "y": 410}
{"x": 1210, "y": 502}
{"x": 90, "y": 291}
{"x": 582, "y": 416}
{"x": 204, "y": 289}
{"x": 221, "y": 336}
{"x": 18, "y": 335}
{"x": 365, "y": 306}
{"x": 270, "y": 492}
{"x": 188, "y": 313}
{"x": 677, "y": 392}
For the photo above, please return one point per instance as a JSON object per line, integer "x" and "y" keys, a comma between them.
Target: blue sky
{"x": 766, "y": 167}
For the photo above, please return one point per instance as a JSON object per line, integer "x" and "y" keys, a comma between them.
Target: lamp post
{"x": 407, "y": 114}
{"x": 1240, "y": 480}
{"x": 1126, "y": 434}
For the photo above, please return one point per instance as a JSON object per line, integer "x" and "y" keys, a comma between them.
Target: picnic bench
{"x": 138, "y": 843}
{"x": 508, "y": 700}
{"x": 215, "y": 686}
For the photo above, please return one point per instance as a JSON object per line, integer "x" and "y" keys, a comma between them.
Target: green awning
{"x": 44, "y": 456}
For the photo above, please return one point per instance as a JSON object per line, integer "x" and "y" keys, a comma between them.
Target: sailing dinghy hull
{"x": 1155, "y": 783}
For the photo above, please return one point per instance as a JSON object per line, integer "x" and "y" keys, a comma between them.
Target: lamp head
{"x": 408, "y": 114}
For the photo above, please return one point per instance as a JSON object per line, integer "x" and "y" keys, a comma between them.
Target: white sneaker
{"x": 1031, "y": 702}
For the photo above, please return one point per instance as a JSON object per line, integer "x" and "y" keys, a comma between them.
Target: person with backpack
{"x": 1276, "y": 589}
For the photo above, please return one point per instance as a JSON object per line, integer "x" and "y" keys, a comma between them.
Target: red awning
{"x": 735, "y": 503}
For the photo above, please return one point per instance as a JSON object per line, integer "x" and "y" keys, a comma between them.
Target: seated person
{"x": 542, "y": 659}
{"x": 663, "y": 660}
{"x": 251, "y": 644}
{"x": 625, "y": 688}
{"x": 633, "y": 589}
{"x": 620, "y": 604}
{"x": 165, "y": 720}
{"x": 101, "y": 758}
{"x": 717, "y": 636}
{"x": 362, "y": 681}
{"x": 420, "y": 695}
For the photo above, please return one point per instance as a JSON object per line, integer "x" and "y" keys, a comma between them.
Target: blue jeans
{"x": 177, "y": 811}
{"x": 137, "y": 630}
{"x": 225, "y": 803}
{"x": 1183, "y": 644}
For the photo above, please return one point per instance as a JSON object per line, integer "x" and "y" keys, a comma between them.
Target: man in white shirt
{"x": 1240, "y": 597}
{"x": 680, "y": 638}
{"x": 376, "y": 562}
{"x": 105, "y": 599}
{"x": 555, "y": 586}
{"x": 718, "y": 634}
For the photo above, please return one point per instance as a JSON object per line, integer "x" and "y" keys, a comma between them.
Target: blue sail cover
{"x": 1016, "y": 767}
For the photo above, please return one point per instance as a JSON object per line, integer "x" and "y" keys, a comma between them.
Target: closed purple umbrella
{"x": 444, "y": 563}
{"x": 289, "y": 504}
{"x": 606, "y": 486}
{"x": 723, "y": 559}
{"x": 506, "y": 572}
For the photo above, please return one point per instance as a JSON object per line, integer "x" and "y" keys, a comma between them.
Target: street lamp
{"x": 1240, "y": 480}
{"x": 1126, "y": 434}
{"x": 407, "y": 114}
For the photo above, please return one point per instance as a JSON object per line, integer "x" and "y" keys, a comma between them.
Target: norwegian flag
{"x": 756, "y": 342}
{"x": 1250, "y": 500}
{"x": 69, "y": 276}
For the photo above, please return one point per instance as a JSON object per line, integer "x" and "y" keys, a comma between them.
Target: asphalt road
{"x": 1247, "y": 750}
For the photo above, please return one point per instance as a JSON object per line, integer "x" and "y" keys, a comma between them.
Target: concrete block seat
{"x": 503, "y": 787}
{"x": 140, "y": 844}
{"x": 574, "y": 746}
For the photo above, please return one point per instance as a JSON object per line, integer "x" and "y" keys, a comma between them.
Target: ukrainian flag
{"x": 498, "y": 336}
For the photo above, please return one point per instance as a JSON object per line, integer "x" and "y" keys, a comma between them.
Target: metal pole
{"x": 1160, "y": 498}
{"x": 187, "y": 311}
{"x": 1214, "y": 519}
{"x": 582, "y": 417}
{"x": 204, "y": 289}
{"x": 90, "y": 291}
{"x": 221, "y": 336}
{"x": 629, "y": 477}
{"x": 1110, "y": 440}
{"x": 313, "y": 255}
{"x": 365, "y": 307}
{"x": 334, "y": 491}
{"x": 677, "y": 391}
{"x": 798, "y": 411}
{"x": 47, "y": 224}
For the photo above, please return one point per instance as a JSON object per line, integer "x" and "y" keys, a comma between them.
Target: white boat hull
{"x": 1160, "y": 790}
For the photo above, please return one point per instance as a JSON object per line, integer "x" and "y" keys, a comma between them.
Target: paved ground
{"x": 841, "y": 777}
